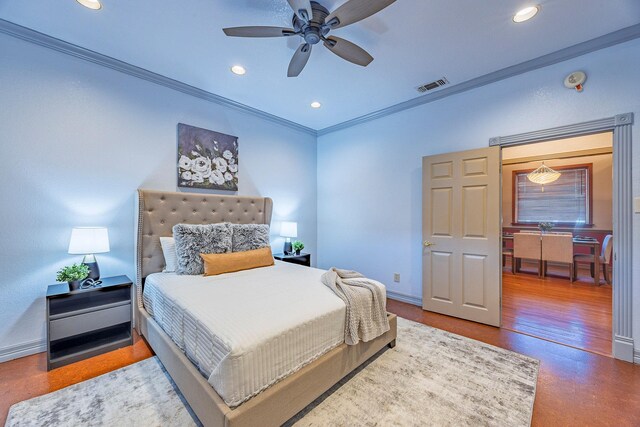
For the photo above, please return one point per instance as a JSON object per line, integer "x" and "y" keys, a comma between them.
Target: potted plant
{"x": 73, "y": 274}
{"x": 297, "y": 246}
{"x": 545, "y": 226}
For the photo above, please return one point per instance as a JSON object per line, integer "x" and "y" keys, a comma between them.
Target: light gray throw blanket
{"x": 365, "y": 300}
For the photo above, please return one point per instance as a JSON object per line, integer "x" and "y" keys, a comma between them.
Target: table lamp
{"x": 288, "y": 230}
{"x": 88, "y": 241}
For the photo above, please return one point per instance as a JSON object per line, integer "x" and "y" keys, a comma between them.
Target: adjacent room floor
{"x": 577, "y": 314}
{"x": 575, "y": 387}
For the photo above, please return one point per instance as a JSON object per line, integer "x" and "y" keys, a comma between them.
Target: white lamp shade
{"x": 89, "y": 240}
{"x": 289, "y": 229}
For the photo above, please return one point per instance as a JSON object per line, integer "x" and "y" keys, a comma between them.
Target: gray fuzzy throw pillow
{"x": 192, "y": 240}
{"x": 247, "y": 237}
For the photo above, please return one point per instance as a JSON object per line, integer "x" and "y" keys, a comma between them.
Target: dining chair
{"x": 508, "y": 253}
{"x": 526, "y": 246}
{"x": 604, "y": 258}
{"x": 558, "y": 248}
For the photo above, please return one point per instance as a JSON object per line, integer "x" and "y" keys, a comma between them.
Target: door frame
{"x": 622, "y": 279}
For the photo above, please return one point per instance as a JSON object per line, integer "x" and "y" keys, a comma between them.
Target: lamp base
{"x": 94, "y": 270}
{"x": 287, "y": 248}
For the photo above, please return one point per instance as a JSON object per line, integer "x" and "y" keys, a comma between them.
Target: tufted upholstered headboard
{"x": 159, "y": 211}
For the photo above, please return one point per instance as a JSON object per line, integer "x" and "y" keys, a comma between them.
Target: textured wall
{"x": 369, "y": 176}
{"x": 77, "y": 140}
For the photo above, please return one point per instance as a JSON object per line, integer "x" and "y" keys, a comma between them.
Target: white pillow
{"x": 169, "y": 251}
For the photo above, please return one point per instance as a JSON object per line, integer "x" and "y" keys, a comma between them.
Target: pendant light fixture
{"x": 543, "y": 175}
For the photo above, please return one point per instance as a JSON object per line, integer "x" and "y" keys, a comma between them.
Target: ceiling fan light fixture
{"x": 525, "y": 14}
{"x": 238, "y": 70}
{"x": 91, "y": 4}
{"x": 316, "y": 105}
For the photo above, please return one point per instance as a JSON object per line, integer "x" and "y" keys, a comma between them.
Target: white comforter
{"x": 247, "y": 330}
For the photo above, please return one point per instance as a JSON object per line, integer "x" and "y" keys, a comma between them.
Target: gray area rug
{"x": 141, "y": 395}
{"x": 431, "y": 378}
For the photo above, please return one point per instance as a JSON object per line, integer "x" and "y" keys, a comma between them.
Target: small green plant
{"x": 73, "y": 272}
{"x": 297, "y": 245}
{"x": 545, "y": 226}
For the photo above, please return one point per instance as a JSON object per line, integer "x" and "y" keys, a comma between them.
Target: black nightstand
{"x": 302, "y": 259}
{"x": 87, "y": 322}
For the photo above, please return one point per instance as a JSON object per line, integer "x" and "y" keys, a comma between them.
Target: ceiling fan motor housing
{"x": 315, "y": 29}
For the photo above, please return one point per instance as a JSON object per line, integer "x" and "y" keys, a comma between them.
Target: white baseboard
{"x": 636, "y": 357}
{"x": 409, "y": 299}
{"x": 623, "y": 348}
{"x": 20, "y": 350}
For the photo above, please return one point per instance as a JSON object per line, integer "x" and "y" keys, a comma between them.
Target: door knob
{"x": 428, "y": 243}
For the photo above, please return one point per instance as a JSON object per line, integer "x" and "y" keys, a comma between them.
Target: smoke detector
{"x": 575, "y": 80}
{"x": 432, "y": 85}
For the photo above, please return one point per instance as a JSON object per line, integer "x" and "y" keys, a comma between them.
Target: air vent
{"x": 433, "y": 85}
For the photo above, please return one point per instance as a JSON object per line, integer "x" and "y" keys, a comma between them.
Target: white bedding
{"x": 247, "y": 330}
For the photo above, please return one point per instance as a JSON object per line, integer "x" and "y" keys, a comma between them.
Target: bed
{"x": 284, "y": 365}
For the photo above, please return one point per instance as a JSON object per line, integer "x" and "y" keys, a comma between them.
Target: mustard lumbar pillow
{"x": 236, "y": 261}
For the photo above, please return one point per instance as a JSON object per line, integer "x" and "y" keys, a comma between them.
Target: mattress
{"x": 247, "y": 330}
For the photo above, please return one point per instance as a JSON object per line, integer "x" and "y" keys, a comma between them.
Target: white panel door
{"x": 461, "y": 268}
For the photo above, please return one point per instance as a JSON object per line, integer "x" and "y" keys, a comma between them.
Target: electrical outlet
{"x": 396, "y": 277}
{"x": 636, "y": 204}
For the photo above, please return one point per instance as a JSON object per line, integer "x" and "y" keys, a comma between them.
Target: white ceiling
{"x": 412, "y": 41}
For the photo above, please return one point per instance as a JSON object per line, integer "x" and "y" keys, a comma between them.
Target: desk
{"x": 593, "y": 244}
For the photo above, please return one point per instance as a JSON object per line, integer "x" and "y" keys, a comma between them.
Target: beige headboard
{"x": 159, "y": 211}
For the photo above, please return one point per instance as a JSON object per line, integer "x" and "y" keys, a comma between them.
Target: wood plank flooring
{"x": 575, "y": 388}
{"x": 577, "y": 314}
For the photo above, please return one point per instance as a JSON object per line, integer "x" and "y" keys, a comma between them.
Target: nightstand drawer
{"x": 74, "y": 325}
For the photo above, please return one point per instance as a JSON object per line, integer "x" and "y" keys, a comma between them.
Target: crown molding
{"x": 607, "y": 40}
{"x": 41, "y": 39}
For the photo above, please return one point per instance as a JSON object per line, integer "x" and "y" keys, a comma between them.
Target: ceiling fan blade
{"x": 299, "y": 60}
{"x": 349, "y": 51}
{"x": 259, "y": 32}
{"x": 354, "y": 11}
{"x": 302, "y": 8}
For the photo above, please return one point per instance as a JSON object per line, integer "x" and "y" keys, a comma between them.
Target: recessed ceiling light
{"x": 91, "y": 4}
{"x": 526, "y": 14}
{"x": 316, "y": 104}
{"x": 238, "y": 69}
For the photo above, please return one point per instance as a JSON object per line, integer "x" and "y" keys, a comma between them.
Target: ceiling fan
{"x": 313, "y": 22}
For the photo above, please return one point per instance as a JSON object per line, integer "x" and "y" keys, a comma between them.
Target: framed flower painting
{"x": 207, "y": 159}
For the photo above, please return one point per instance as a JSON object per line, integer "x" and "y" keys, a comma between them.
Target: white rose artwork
{"x": 207, "y": 159}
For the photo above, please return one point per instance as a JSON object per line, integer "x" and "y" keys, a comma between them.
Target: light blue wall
{"x": 369, "y": 176}
{"x": 77, "y": 140}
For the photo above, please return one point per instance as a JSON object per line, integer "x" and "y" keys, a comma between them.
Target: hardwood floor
{"x": 575, "y": 388}
{"x": 577, "y": 314}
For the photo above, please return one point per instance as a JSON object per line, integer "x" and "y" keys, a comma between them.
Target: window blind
{"x": 565, "y": 200}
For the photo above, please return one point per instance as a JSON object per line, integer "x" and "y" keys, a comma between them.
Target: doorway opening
{"x": 557, "y": 234}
